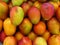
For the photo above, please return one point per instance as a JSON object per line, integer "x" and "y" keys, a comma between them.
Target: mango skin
{"x": 10, "y": 40}
{"x": 25, "y": 41}
{"x": 1, "y": 25}
{"x": 40, "y": 28}
{"x": 32, "y": 36}
{"x": 5, "y": 1}
{"x": 39, "y": 41}
{"x": 9, "y": 28}
{"x": 2, "y": 36}
{"x": 37, "y": 4}
{"x": 56, "y": 5}
{"x": 58, "y": 13}
{"x": 34, "y": 15}
{"x": 47, "y": 11}
{"x": 17, "y": 2}
{"x": 53, "y": 26}
{"x": 57, "y": 1}
{"x": 18, "y": 36}
{"x": 54, "y": 40}
{"x": 3, "y": 10}
{"x": 16, "y": 15}
{"x": 46, "y": 35}
{"x": 26, "y": 7}
{"x": 25, "y": 27}
{"x": 30, "y": 3}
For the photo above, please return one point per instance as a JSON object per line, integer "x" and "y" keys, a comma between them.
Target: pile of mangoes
{"x": 29, "y": 22}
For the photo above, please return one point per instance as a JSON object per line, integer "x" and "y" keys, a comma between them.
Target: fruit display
{"x": 29, "y": 22}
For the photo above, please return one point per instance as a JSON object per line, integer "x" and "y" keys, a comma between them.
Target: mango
{"x": 25, "y": 27}
{"x": 9, "y": 28}
{"x": 34, "y": 15}
{"x": 16, "y": 15}
{"x": 53, "y": 26}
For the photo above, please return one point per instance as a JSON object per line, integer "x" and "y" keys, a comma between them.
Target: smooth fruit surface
{"x": 53, "y": 26}
{"x": 34, "y": 15}
{"x": 25, "y": 41}
{"x": 25, "y": 27}
{"x": 2, "y": 36}
{"x": 55, "y": 1}
{"x": 32, "y": 36}
{"x": 25, "y": 7}
{"x": 58, "y": 13}
{"x": 54, "y": 4}
{"x": 9, "y": 41}
{"x": 37, "y": 4}
{"x": 47, "y": 11}
{"x": 39, "y": 41}
{"x": 40, "y": 28}
{"x": 46, "y": 35}
{"x": 18, "y": 36}
{"x": 17, "y": 2}
{"x": 9, "y": 28}
{"x": 5, "y": 1}
{"x": 55, "y": 39}
{"x": 16, "y": 15}
{"x": 1, "y": 25}
{"x": 3, "y": 10}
